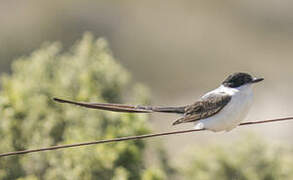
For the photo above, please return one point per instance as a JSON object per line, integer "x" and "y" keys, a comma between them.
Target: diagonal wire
{"x": 131, "y": 138}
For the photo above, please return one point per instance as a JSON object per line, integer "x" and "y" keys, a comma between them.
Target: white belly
{"x": 231, "y": 115}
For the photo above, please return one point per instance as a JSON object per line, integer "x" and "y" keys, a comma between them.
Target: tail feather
{"x": 107, "y": 107}
{"x": 178, "y": 110}
{"x": 124, "y": 108}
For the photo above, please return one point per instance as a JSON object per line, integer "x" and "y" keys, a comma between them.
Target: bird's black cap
{"x": 239, "y": 79}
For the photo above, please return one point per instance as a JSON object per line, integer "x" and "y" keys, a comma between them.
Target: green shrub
{"x": 244, "y": 160}
{"x": 30, "y": 119}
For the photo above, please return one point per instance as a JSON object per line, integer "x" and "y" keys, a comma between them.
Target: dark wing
{"x": 204, "y": 108}
{"x": 124, "y": 108}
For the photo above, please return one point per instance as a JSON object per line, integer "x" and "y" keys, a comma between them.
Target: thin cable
{"x": 131, "y": 138}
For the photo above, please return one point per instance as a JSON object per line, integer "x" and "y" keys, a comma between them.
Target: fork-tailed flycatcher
{"x": 218, "y": 110}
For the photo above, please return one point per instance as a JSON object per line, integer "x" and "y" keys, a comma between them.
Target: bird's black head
{"x": 239, "y": 79}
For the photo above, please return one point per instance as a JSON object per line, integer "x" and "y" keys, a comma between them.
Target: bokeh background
{"x": 179, "y": 49}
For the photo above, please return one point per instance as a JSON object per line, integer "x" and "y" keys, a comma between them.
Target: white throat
{"x": 245, "y": 90}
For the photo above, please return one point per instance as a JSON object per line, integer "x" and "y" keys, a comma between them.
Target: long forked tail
{"x": 124, "y": 108}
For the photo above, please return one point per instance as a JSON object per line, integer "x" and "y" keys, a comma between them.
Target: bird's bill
{"x": 256, "y": 80}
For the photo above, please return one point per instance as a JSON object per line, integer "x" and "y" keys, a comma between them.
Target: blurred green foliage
{"x": 30, "y": 119}
{"x": 248, "y": 159}
{"x": 154, "y": 174}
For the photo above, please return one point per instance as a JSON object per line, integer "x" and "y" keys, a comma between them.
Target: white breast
{"x": 233, "y": 113}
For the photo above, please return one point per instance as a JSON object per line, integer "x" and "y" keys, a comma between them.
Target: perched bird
{"x": 219, "y": 110}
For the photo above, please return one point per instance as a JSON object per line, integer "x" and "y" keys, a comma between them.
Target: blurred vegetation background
{"x": 248, "y": 158}
{"x": 30, "y": 119}
{"x": 178, "y": 49}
